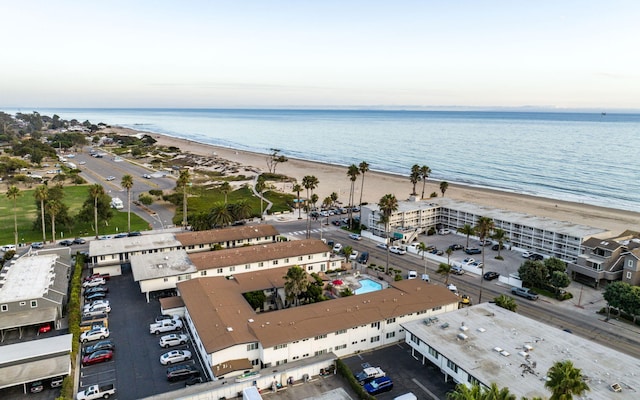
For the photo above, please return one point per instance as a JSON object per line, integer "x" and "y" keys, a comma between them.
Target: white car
{"x": 527, "y": 254}
{"x": 104, "y": 303}
{"x": 94, "y": 334}
{"x": 8, "y": 247}
{"x": 111, "y": 178}
{"x": 337, "y": 247}
{"x": 97, "y": 309}
{"x": 94, "y": 282}
{"x": 397, "y": 250}
{"x": 453, "y": 288}
{"x": 175, "y": 356}
{"x": 468, "y": 260}
{"x": 355, "y": 236}
{"x": 382, "y": 245}
{"x": 354, "y": 255}
{"x": 444, "y": 231}
{"x": 477, "y": 264}
{"x": 173, "y": 340}
{"x": 412, "y": 275}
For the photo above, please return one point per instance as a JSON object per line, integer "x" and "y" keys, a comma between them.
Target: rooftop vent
{"x": 250, "y": 319}
{"x": 229, "y": 329}
{"x": 462, "y": 336}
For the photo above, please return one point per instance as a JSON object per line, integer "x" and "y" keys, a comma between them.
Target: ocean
{"x": 579, "y": 157}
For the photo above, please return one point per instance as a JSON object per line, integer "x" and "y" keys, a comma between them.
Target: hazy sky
{"x": 556, "y": 53}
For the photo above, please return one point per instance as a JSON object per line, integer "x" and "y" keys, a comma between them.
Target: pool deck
{"x": 352, "y": 280}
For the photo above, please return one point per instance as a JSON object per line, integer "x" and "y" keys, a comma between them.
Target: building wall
{"x": 227, "y": 244}
{"x": 631, "y": 270}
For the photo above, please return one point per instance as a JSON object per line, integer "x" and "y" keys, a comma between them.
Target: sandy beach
{"x": 334, "y": 178}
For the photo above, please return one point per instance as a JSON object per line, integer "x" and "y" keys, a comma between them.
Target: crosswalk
{"x": 304, "y": 232}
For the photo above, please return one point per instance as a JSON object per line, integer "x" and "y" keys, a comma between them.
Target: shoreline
{"x": 334, "y": 178}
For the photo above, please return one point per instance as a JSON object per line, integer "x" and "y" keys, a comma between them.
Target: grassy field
{"x": 26, "y": 211}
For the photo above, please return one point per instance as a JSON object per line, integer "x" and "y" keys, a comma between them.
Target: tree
{"x": 297, "y": 189}
{"x": 255, "y": 299}
{"x": 353, "y": 173}
{"x": 533, "y": 273}
{"x": 241, "y": 210}
{"x": 444, "y": 269}
{"x": 483, "y": 228}
{"x": 96, "y": 191}
{"x": 334, "y": 198}
{"x": 225, "y": 188}
{"x": 614, "y": 294}
{"x": 260, "y": 188}
{"x": 559, "y": 280}
{"x": 414, "y": 177}
{"x": 347, "y": 250}
{"x": 388, "y": 204}
{"x": 463, "y": 392}
{"x": 273, "y": 159}
{"x": 53, "y": 208}
{"x": 443, "y": 187}
{"x": 424, "y": 174}
{"x": 309, "y": 182}
{"x": 13, "y": 193}
{"x": 555, "y": 264}
{"x": 296, "y": 282}
{"x": 42, "y": 195}
{"x": 183, "y": 183}
{"x": 499, "y": 235}
{"x": 467, "y": 230}
{"x": 506, "y": 302}
{"x": 422, "y": 248}
{"x": 364, "y": 168}
{"x": 565, "y": 381}
{"x": 220, "y": 215}
{"x": 449, "y": 251}
{"x": 127, "y": 183}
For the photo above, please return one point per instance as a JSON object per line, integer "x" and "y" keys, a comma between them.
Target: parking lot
{"x": 135, "y": 370}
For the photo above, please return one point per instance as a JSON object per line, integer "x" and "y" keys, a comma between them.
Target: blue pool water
{"x": 368, "y": 286}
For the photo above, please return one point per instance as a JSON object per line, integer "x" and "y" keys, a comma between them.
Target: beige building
{"x": 235, "y": 236}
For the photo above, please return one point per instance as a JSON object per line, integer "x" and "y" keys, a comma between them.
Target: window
{"x": 628, "y": 274}
{"x": 231, "y": 269}
{"x": 203, "y": 273}
{"x": 452, "y": 366}
{"x": 300, "y": 258}
{"x": 310, "y": 268}
{"x": 420, "y": 312}
{"x": 255, "y": 362}
{"x": 391, "y": 321}
{"x": 275, "y": 262}
{"x": 261, "y": 264}
{"x": 433, "y": 352}
{"x": 295, "y": 358}
{"x": 320, "y": 352}
{"x": 630, "y": 263}
{"x": 34, "y": 303}
{"x": 436, "y": 308}
{"x": 320, "y": 337}
{"x": 415, "y": 339}
{"x": 252, "y": 346}
{"x": 340, "y": 347}
{"x": 376, "y": 325}
{"x": 286, "y": 261}
{"x": 247, "y": 266}
{"x": 375, "y": 339}
{"x": 391, "y": 335}
{"x": 280, "y": 346}
{"x": 4, "y": 308}
{"x": 166, "y": 279}
{"x": 219, "y": 270}
{"x": 23, "y": 303}
{"x": 340, "y": 332}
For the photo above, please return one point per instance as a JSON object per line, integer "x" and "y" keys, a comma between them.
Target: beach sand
{"x": 333, "y": 178}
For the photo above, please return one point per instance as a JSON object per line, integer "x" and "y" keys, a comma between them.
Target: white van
{"x": 117, "y": 203}
{"x": 412, "y": 275}
{"x": 406, "y": 396}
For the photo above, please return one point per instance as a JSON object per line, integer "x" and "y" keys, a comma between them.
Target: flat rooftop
{"x": 548, "y": 224}
{"x": 27, "y": 278}
{"x": 503, "y": 347}
{"x": 158, "y": 265}
{"x": 132, "y": 244}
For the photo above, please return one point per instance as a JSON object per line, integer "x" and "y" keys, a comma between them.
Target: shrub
{"x": 155, "y": 192}
{"x": 146, "y": 200}
{"x": 346, "y": 373}
{"x": 398, "y": 277}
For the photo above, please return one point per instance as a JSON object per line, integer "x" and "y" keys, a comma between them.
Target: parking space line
{"x": 427, "y": 391}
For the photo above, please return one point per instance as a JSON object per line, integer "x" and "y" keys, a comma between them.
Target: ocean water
{"x": 586, "y": 158}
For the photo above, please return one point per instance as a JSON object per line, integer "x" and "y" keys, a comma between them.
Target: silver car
{"x": 175, "y": 356}
{"x": 173, "y": 339}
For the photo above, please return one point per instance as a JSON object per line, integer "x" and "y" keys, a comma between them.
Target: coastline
{"x": 334, "y": 178}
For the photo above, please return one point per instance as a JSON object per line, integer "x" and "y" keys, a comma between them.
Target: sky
{"x": 567, "y": 54}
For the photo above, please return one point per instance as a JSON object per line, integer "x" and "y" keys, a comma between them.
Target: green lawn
{"x": 74, "y": 197}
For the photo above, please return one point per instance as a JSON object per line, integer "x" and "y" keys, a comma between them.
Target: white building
{"x": 487, "y": 344}
{"x": 108, "y": 255}
{"x": 233, "y": 338}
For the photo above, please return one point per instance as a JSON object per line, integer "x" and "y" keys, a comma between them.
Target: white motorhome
{"x": 116, "y": 203}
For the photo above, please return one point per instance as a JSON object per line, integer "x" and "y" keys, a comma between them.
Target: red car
{"x": 44, "y": 328}
{"x": 97, "y": 357}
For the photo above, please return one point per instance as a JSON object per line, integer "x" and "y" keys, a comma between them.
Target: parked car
{"x": 382, "y": 246}
{"x": 95, "y": 289}
{"x": 101, "y": 345}
{"x": 412, "y": 274}
{"x": 379, "y": 385}
{"x": 111, "y": 178}
{"x": 36, "y": 387}
{"x": 105, "y": 276}
{"x": 457, "y": 269}
{"x": 397, "y": 250}
{"x": 364, "y": 257}
{"x": 56, "y": 381}
{"x": 524, "y": 292}
{"x": 536, "y": 257}
{"x": 472, "y": 250}
{"x": 496, "y": 247}
{"x": 121, "y": 235}
{"x": 526, "y": 254}
{"x": 194, "y": 380}
{"x": 354, "y": 255}
{"x": 175, "y": 356}
{"x": 95, "y": 296}
{"x": 44, "y": 328}
{"x": 456, "y": 247}
{"x": 104, "y": 303}
{"x": 97, "y": 357}
{"x": 337, "y": 248}
{"x": 37, "y": 245}
{"x": 491, "y": 275}
{"x": 355, "y": 236}
{"x": 173, "y": 339}
{"x": 181, "y": 372}
{"x": 66, "y": 242}
{"x": 476, "y": 264}
{"x": 134, "y": 233}
{"x": 96, "y": 310}
{"x": 166, "y": 325}
{"x": 444, "y": 231}
{"x": 146, "y": 176}
{"x": 468, "y": 260}
{"x": 79, "y": 241}
{"x": 94, "y": 282}
{"x": 8, "y": 247}
{"x": 94, "y": 334}
{"x": 162, "y": 317}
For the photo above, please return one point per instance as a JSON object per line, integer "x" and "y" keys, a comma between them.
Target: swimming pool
{"x": 368, "y": 286}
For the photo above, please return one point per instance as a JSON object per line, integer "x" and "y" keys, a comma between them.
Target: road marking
{"x": 427, "y": 391}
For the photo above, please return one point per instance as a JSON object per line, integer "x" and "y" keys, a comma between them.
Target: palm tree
{"x": 96, "y": 191}
{"x": 42, "y": 194}
{"x": 443, "y": 187}
{"x": 449, "y": 251}
{"x": 53, "y": 208}
{"x": 424, "y": 174}
{"x": 220, "y": 215}
{"x": 225, "y": 188}
{"x": 334, "y": 198}
{"x": 444, "y": 269}
{"x": 309, "y": 182}
{"x": 564, "y": 380}
{"x": 422, "y": 248}
{"x": 241, "y": 210}
{"x": 364, "y": 168}
{"x": 296, "y": 282}
{"x": 506, "y": 302}
{"x": 483, "y": 228}
{"x": 353, "y": 173}
{"x": 500, "y": 236}
{"x": 184, "y": 181}
{"x": 414, "y": 177}
{"x": 467, "y": 229}
{"x": 388, "y": 204}
{"x": 496, "y": 393}
{"x": 463, "y": 392}
{"x": 14, "y": 193}
{"x": 260, "y": 187}
{"x": 297, "y": 189}
{"x": 127, "y": 183}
